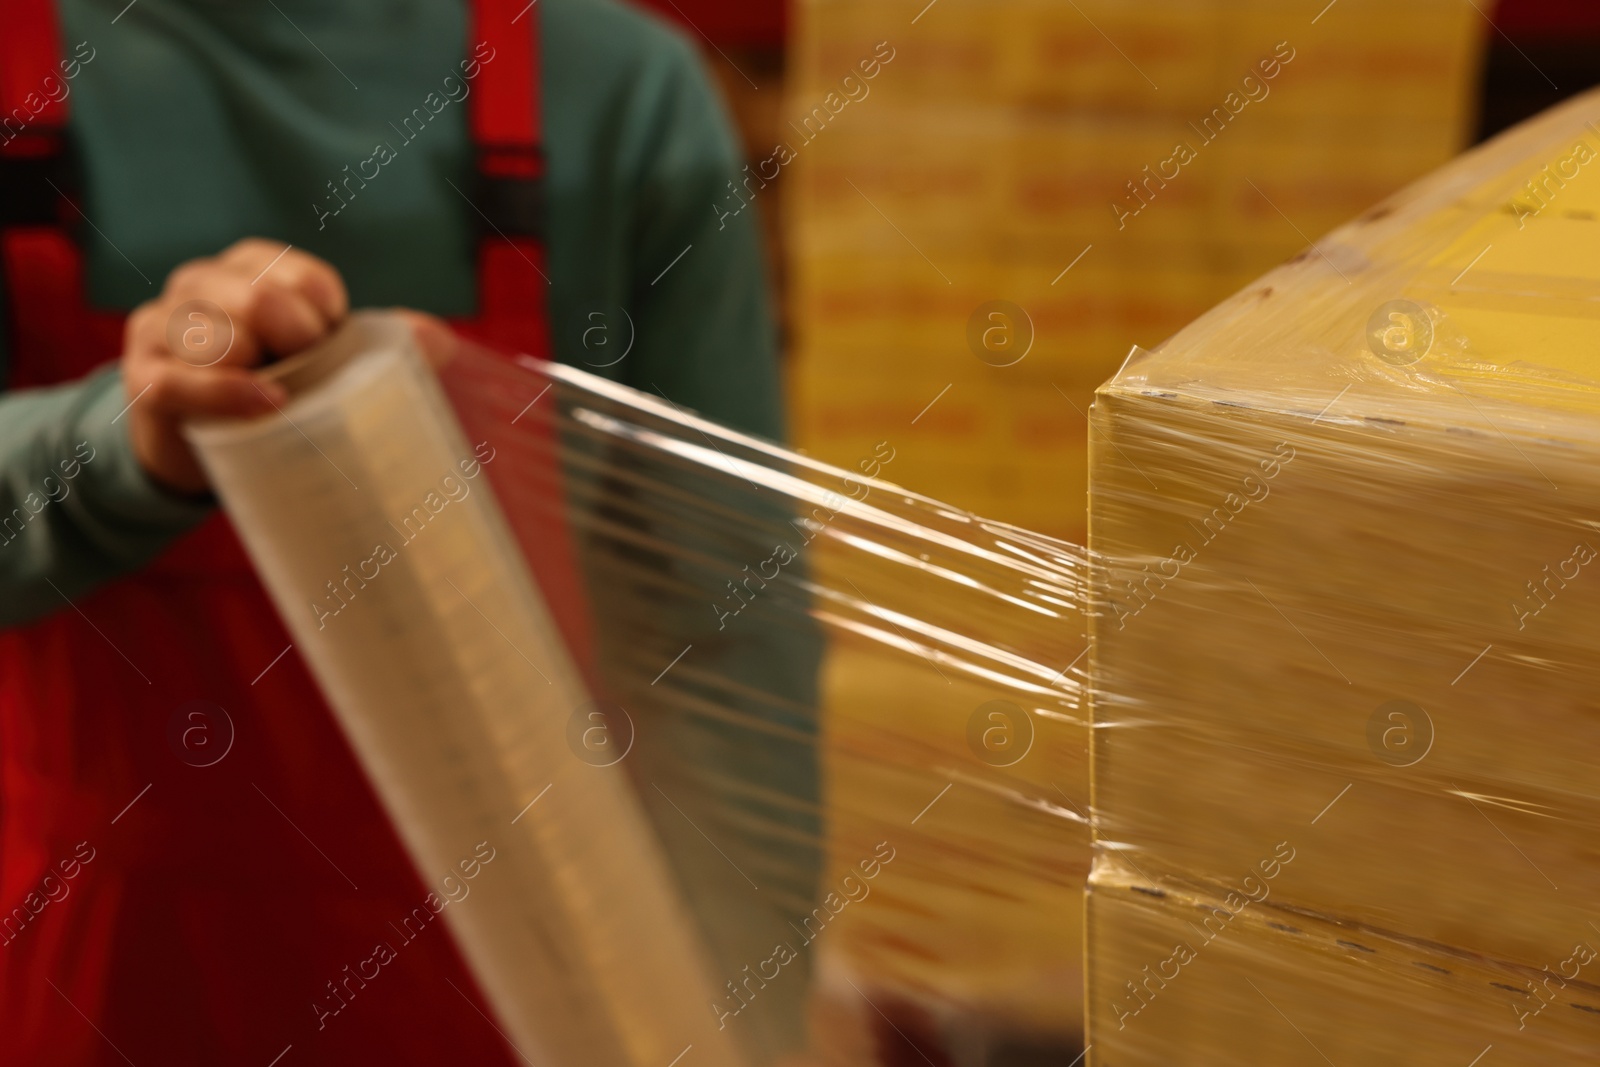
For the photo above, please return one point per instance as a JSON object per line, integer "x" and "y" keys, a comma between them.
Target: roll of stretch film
{"x": 384, "y": 549}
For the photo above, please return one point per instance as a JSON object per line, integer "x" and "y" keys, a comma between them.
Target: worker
{"x": 254, "y": 171}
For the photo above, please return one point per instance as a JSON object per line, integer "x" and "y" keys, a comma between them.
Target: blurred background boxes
{"x": 987, "y": 157}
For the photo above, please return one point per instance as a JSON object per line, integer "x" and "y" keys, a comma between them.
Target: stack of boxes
{"x": 1344, "y": 670}
{"x": 996, "y": 142}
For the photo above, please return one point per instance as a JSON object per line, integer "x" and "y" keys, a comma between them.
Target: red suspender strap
{"x": 33, "y": 103}
{"x": 507, "y": 117}
{"x": 508, "y": 134}
{"x": 42, "y": 266}
{"x": 513, "y": 291}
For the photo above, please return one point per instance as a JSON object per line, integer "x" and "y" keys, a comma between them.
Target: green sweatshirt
{"x": 198, "y": 123}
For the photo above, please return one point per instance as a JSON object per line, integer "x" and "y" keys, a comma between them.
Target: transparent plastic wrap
{"x": 1344, "y": 670}
{"x": 780, "y": 762}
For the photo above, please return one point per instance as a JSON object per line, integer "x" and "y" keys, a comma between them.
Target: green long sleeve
{"x": 76, "y": 509}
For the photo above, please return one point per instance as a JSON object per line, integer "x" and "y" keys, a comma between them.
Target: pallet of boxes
{"x": 1346, "y": 688}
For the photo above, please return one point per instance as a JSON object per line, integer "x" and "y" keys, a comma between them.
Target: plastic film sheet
{"x": 781, "y": 763}
{"x": 1344, "y": 629}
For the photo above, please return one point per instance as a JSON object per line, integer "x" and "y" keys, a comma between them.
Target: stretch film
{"x": 402, "y": 585}
{"x": 781, "y": 763}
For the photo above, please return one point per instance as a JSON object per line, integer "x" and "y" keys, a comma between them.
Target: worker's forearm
{"x": 76, "y": 509}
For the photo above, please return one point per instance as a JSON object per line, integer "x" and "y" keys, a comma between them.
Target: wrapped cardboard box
{"x": 1344, "y": 614}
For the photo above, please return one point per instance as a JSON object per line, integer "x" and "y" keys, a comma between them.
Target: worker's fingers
{"x": 283, "y": 320}
{"x": 164, "y": 393}
{"x": 218, "y": 314}
{"x": 249, "y": 282}
{"x": 186, "y": 354}
{"x": 434, "y": 336}
{"x": 276, "y": 263}
{"x": 171, "y": 389}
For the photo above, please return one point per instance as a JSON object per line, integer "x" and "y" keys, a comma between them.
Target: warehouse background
{"x": 974, "y": 176}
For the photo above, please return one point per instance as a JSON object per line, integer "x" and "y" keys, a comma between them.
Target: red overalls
{"x": 208, "y": 907}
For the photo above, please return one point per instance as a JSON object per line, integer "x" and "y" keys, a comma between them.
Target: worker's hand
{"x": 435, "y": 339}
{"x": 190, "y": 351}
